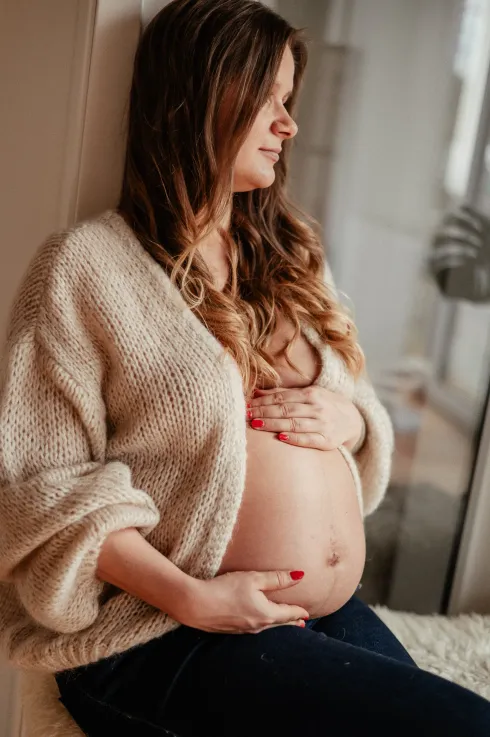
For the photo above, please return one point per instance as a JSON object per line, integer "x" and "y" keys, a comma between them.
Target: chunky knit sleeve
{"x": 374, "y": 454}
{"x": 59, "y": 498}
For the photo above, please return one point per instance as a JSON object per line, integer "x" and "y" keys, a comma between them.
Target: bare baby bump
{"x": 299, "y": 511}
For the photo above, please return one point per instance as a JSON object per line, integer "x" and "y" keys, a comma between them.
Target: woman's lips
{"x": 270, "y": 154}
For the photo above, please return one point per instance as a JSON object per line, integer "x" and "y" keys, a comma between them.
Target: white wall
{"x": 149, "y": 8}
{"x": 467, "y": 364}
{"x": 41, "y": 76}
{"x": 393, "y": 132}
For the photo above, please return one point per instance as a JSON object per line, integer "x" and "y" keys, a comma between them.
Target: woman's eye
{"x": 270, "y": 100}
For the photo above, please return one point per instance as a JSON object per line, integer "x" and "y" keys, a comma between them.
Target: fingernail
{"x": 283, "y": 436}
{"x": 257, "y": 423}
{"x": 296, "y": 575}
{"x": 302, "y": 624}
{"x": 250, "y": 414}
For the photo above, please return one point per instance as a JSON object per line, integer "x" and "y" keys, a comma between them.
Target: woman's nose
{"x": 286, "y": 126}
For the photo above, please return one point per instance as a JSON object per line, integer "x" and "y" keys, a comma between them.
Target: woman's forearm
{"x": 129, "y": 562}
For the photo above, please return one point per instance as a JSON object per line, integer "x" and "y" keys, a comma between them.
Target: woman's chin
{"x": 257, "y": 181}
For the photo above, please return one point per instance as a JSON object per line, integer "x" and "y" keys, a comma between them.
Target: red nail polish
{"x": 283, "y": 436}
{"x": 257, "y": 423}
{"x": 296, "y": 575}
{"x": 250, "y": 414}
{"x": 302, "y": 623}
{"x": 248, "y": 405}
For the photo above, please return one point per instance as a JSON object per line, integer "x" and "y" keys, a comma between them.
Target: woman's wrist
{"x": 361, "y": 437}
{"x": 357, "y": 441}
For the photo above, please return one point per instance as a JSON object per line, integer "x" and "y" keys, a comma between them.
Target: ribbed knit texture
{"x": 118, "y": 408}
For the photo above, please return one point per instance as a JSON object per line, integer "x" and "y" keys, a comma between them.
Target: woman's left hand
{"x": 311, "y": 416}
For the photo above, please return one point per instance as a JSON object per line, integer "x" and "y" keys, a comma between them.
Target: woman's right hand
{"x": 235, "y": 603}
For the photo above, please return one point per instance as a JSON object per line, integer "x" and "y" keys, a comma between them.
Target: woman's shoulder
{"x": 71, "y": 266}
{"x": 100, "y": 239}
{"x": 93, "y": 248}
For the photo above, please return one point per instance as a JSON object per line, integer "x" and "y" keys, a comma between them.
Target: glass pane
{"x": 389, "y": 125}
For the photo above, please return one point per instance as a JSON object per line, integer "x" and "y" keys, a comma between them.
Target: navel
{"x": 333, "y": 560}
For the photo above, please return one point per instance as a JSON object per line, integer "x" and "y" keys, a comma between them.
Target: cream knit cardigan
{"x": 118, "y": 408}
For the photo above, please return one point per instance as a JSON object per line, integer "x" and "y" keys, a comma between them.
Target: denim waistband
{"x": 311, "y": 622}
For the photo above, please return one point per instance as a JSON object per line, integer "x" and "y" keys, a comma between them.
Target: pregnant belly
{"x": 299, "y": 511}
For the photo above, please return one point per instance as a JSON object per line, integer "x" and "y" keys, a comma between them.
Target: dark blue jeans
{"x": 344, "y": 675}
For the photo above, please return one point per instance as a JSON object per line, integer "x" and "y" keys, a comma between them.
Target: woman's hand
{"x": 311, "y": 417}
{"x": 236, "y": 602}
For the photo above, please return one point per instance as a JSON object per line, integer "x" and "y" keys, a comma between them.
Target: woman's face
{"x": 254, "y": 165}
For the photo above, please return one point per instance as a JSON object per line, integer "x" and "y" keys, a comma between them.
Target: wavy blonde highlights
{"x": 195, "y": 60}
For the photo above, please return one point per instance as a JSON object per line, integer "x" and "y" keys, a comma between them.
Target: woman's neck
{"x": 214, "y": 250}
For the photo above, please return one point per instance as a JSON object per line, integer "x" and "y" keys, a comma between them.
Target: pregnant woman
{"x": 189, "y": 441}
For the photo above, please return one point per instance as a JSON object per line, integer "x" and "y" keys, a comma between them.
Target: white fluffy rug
{"x": 457, "y": 648}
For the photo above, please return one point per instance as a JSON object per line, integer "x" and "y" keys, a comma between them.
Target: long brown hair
{"x": 194, "y": 57}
